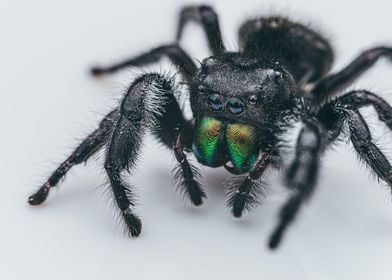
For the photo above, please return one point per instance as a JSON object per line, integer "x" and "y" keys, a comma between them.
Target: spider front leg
{"x": 87, "y": 148}
{"x": 301, "y": 176}
{"x": 175, "y": 53}
{"x": 140, "y": 109}
{"x": 243, "y": 193}
{"x": 208, "y": 19}
{"x": 176, "y": 133}
{"x": 187, "y": 176}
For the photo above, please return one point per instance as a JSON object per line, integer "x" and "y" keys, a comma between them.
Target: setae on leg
{"x": 138, "y": 111}
{"x": 301, "y": 176}
{"x": 332, "y": 83}
{"x": 87, "y": 148}
{"x": 367, "y": 150}
{"x": 187, "y": 176}
{"x": 243, "y": 193}
{"x": 360, "y": 98}
{"x": 176, "y": 55}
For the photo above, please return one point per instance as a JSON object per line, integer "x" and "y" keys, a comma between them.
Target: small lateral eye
{"x": 215, "y": 102}
{"x": 252, "y": 100}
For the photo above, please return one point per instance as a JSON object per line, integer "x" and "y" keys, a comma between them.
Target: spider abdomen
{"x": 217, "y": 142}
{"x": 306, "y": 52}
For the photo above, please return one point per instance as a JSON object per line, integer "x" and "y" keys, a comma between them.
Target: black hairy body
{"x": 242, "y": 104}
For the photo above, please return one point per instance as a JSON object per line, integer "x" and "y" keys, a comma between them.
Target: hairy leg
{"x": 187, "y": 176}
{"x": 243, "y": 193}
{"x": 301, "y": 176}
{"x": 176, "y": 132}
{"x": 176, "y": 55}
{"x": 138, "y": 111}
{"x": 359, "y": 98}
{"x": 367, "y": 150}
{"x": 332, "y": 83}
{"x": 360, "y": 135}
{"x": 208, "y": 19}
{"x": 87, "y": 148}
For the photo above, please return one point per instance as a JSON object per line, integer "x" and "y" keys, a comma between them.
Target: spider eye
{"x": 215, "y": 102}
{"x": 235, "y": 106}
{"x": 252, "y": 100}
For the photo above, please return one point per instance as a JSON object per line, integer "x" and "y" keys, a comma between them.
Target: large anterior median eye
{"x": 235, "y": 106}
{"x": 215, "y": 102}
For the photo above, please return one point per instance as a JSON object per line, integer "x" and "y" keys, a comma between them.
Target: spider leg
{"x": 187, "y": 175}
{"x": 332, "y": 116}
{"x": 332, "y": 83}
{"x": 359, "y": 98}
{"x": 172, "y": 122}
{"x": 360, "y": 135}
{"x": 175, "y": 132}
{"x": 139, "y": 110}
{"x": 145, "y": 107}
{"x": 242, "y": 192}
{"x": 87, "y": 148}
{"x": 208, "y": 19}
{"x": 175, "y": 53}
{"x": 301, "y": 176}
{"x": 367, "y": 150}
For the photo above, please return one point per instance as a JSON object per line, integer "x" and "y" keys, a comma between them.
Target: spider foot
{"x": 39, "y": 196}
{"x": 186, "y": 177}
{"x": 276, "y": 237}
{"x": 243, "y": 194}
{"x": 238, "y": 203}
{"x": 196, "y": 194}
{"x": 98, "y": 71}
{"x": 133, "y": 223}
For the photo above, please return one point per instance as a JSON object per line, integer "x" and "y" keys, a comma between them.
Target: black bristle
{"x": 247, "y": 199}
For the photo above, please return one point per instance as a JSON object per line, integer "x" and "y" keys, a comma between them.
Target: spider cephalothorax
{"x": 242, "y": 103}
{"x": 229, "y": 97}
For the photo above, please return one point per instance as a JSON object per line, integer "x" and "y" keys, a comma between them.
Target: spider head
{"x": 241, "y": 89}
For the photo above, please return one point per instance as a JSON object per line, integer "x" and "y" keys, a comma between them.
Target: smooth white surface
{"x": 49, "y": 102}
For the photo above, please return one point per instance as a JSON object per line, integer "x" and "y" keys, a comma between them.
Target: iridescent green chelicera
{"x": 241, "y": 145}
{"x": 207, "y": 138}
{"x": 239, "y": 140}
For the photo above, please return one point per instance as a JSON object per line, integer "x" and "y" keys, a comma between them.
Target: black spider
{"x": 242, "y": 104}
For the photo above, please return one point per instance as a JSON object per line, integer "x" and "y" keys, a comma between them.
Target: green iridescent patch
{"x": 207, "y": 138}
{"x": 241, "y": 145}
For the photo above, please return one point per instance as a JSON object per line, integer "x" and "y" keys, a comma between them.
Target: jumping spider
{"x": 242, "y": 104}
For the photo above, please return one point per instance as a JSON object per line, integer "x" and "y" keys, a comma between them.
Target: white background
{"x": 49, "y": 102}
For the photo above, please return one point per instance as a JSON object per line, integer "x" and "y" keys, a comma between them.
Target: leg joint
{"x": 208, "y": 15}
